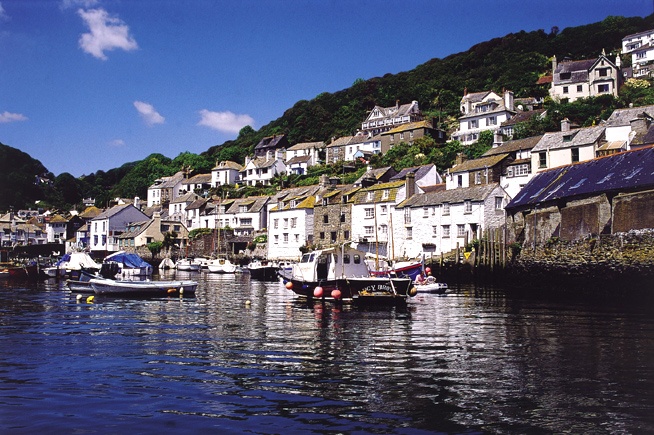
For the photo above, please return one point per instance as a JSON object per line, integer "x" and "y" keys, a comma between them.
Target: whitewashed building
{"x": 301, "y": 156}
{"x": 261, "y": 170}
{"x": 291, "y": 224}
{"x": 225, "y": 173}
{"x": 165, "y": 189}
{"x": 575, "y": 79}
{"x": 566, "y": 146}
{"x": 108, "y": 225}
{"x": 483, "y": 111}
{"x": 641, "y": 48}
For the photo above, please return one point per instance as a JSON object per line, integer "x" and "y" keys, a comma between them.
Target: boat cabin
{"x": 332, "y": 263}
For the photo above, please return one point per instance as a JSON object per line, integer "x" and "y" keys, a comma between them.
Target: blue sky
{"x": 89, "y": 85}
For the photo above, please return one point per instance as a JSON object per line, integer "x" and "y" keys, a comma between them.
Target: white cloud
{"x": 67, "y": 4}
{"x": 147, "y": 112}
{"x": 117, "y": 143}
{"x": 6, "y": 117}
{"x": 3, "y": 14}
{"x": 107, "y": 33}
{"x": 224, "y": 121}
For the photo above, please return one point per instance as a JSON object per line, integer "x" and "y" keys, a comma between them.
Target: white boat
{"x": 71, "y": 264}
{"x": 129, "y": 264}
{"x": 187, "y": 265}
{"x": 103, "y": 286}
{"x": 263, "y": 270}
{"x": 166, "y": 264}
{"x": 221, "y": 265}
{"x": 430, "y": 285}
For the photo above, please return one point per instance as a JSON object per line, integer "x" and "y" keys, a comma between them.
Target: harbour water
{"x": 472, "y": 361}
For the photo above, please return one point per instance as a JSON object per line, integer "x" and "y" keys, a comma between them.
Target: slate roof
{"x": 349, "y": 140}
{"x": 271, "y": 142}
{"x": 580, "y": 137}
{"x": 409, "y": 126}
{"x": 187, "y": 197}
{"x": 199, "y": 179}
{"x": 298, "y": 159}
{"x": 307, "y": 146}
{"x": 626, "y": 171}
{"x": 512, "y": 146}
{"x": 523, "y": 117}
{"x": 197, "y": 204}
{"x": 623, "y": 117}
{"x": 452, "y": 196}
{"x": 376, "y": 174}
{"x": 475, "y": 97}
{"x": 167, "y": 182}
{"x": 261, "y": 162}
{"x": 255, "y": 204}
{"x": 361, "y": 197}
{"x": 227, "y": 164}
{"x": 480, "y": 163}
{"x": 112, "y": 211}
{"x": 578, "y": 70}
{"x": 418, "y": 171}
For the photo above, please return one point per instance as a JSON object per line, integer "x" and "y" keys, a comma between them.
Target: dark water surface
{"x": 474, "y": 361}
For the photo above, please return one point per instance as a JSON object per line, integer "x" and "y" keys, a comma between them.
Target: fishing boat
{"x": 341, "y": 274}
{"x": 221, "y": 265}
{"x": 263, "y": 270}
{"x": 129, "y": 264}
{"x": 103, "y": 286}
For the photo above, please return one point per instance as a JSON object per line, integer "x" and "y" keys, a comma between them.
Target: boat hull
{"x": 143, "y": 288}
{"x": 263, "y": 273}
{"x": 366, "y": 290}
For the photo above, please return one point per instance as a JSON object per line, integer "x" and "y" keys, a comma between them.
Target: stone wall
{"x": 633, "y": 211}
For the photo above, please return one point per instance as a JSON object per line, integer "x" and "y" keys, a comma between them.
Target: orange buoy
{"x": 336, "y": 294}
{"x": 427, "y": 270}
{"x": 317, "y": 292}
{"x": 289, "y": 285}
{"x": 413, "y": 291}
{"x": 172, "y": 290}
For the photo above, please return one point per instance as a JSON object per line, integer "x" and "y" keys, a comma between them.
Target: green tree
{"x": 155, "y": 248}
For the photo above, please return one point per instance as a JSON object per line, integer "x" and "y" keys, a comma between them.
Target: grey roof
{"x": 418, "y": 171}
{"x": 298, "y": 159}
{"x": 623, "y": 172}
{"x": 166, "y": 182}
{"x": 480, "y": 163}
{"x": 197, "y": 204}
{"x": 578, "y": 70}
{"x": 307, "y": 146}
{"x": 452, "y": 196}
{"x": 187, "y": 197}
{"x": 523, "y": 116}
{"x": 227, "y": 164}
{"x": 255, "y": 204}
{"x": 377, "y": 174}
{"x": 499, "y": 107}
{"x": 294, "y": 192}
{"x": 112, "y": 211}
{"x": 580, "y": 137}
{"x": 475, "y": 97}
{"x": 622, "y": 117}
{"x": 198, "y": 179}
{"x": 511, "y": 146}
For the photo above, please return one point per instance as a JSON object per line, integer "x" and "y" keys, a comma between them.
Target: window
{"x": 346, "y": 258}
{"x": 509, "y": 171}
{"x": 383, "y": 229}
{"x": 325, "y": 219}
{"x": 285, "y": 223}
{"x": 242, "y": 208}
{"x": 297, "y": 238}
{"x": 603, "y": 72}
{"x": 333, "y": 236}
{"x": 603, "y": 88}
{"x": 276, "y": 239}
{"x": 346, "y": 235}
{"x": 342, "y": 217}
{"x": 434, "y": 231}
{"x": 370, "y": 196}
{"x": 473, "y": 124}
{"x": 383, "y": 209}
{"x": 370, "y": 213}
{"x": 498, "y": 202}
{"x": 542, "y": 159}
{"x": 368, "y": 230}
{"x": 402, "y": 136}
{"x": 580, "y": 88}
{"x": 478, "y": 177}
{"x": 285, "y": 237}
{"x": 460, "y": 230}
{"x": 322, "y": 235}
{"x": 294, "y": 222}
{"x": 565, "y": 76}
{"x": 446, "y": 209}
{"x": 407, "y": 215}
{"x": 468, "y": 206}
{"x": 574, "y": 154}
{"x": 409, "y": 233}
{"x": 246, "y": 222}
{"x": 357, "y": 259}
{"x": 446, "y": 231}
{"x": 565, "y": 89}
{"x": 425, "y": 212}
{"x": 492, "y": 120}
{"x": 385, "y": 193}
{"x": 641, "y": 55}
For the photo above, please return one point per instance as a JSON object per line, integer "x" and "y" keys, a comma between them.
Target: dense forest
{"x": 515, "y": 62}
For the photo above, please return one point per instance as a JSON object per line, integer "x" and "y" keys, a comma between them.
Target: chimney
{"x": 640, "y": 124}
{"x": 498, "y": 139}
{"x": 410, "y": 184}
{"x": 156, "y": 217}
{"x": 324, "y": 181}
{"x": 565, "y": 124}
{"x": 247, "y": 160}
{"x": 333, "y": 181}
{"x": 508, "y": 100}
{"x": 460, "y": 158}
{"x": 554, "y": 65}
{"x": 268, "y": 155}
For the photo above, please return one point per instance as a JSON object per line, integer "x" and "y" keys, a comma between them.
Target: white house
{"x": 439, "y": 221}
{"x": 301, "y": 156}
{"x": 199, "y": 184}
{"x": 619, "y": 125}
{"x": 225, "y": 173}
{"x": 381, "y": 119}
{"x": 243, "y": 215}
{"x": 641, "y": 47}
{"x": 177, "y": 207}
{"x": 566, "y": 146}
{"x": 55, "y": 229}
{"x": 198, "y": 214}
{"x": 261, "y": 170}
{"x": 574, "y": 79}
{"x": 165, "y": 189}
{"x": 482, "y": 111}
{"x": 108, "y": 225}
{"x": 517, "y": 172}
{"x": 291, "y": 224}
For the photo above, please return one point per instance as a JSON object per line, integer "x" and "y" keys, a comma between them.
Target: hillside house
{"x": 225, "y": 173}
{"x": 408, "y": 133}
{"x": 165, "y": 189}
{"x": 244, "y": 215}
{"x": 574, "y": 79}
{"x": 517, "y": 171}
{"x": 177, "y": 207}
{"x": 641, "y": 48}
{"x": 624, "y": 124}
{"x": 332, "y": 213}
{"x": 425, "y": 175}
{"x": 301, "y": 156}
{"x": 261, "y": 170}
{"x": 199, "y": 184}
{"x": 381, "y": 119}
{"x": 482, "y": 111}
{"x": 477, "y": 172}
{"x": 139, "y": 234}
{"x": 271, "y": 145}
{"x": 108, "y": 225}
{"x": 55, "y": 229}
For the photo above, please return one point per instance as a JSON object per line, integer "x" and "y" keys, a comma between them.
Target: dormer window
{"x": 370, "y": 196}
{"x": 386, "y": 193}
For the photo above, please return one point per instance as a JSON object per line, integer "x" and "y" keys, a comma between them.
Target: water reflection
{"x": 473, "y": 360}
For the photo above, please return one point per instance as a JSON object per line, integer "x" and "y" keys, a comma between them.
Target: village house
{"x": 16, "y": 231}
{"x": 440, "y": 220}
{"x": 624, "y": 125}
{"x": 261, "y": 170}
{"x": 291, "y": 219}
{"x": 244, "y": 215}
{"x": 381, "y": 119}
{"x": 225, "y": 173}
{"x": 344, "y": 148}
{"x": 374, "y": 176}
{"x": 165, "y": 189}
{"x": 608, "y": 195}
{"x": 425, "y": 175}
{"x": 517, "y": 172}
{"x": 332, "y": 213}
{"x": 508, "y": 127}
{"x": 482, "y": 111}
{"x": 476, "y": 172}
{"x": 575, "y": 79}
{"x": 139, "y": 234}
{"x": 108, "y": 225}
{"x": 198, "y": 184}
{"x": 301, "y": 156}
{"x": 198, "y": 214}
{"x": 83, "y": 233}
{"x": 641, "y": 47}
{"x": 408, "y": 133}
{"x": 567, "y": 146}
{"x": 177, "y": 207}
{"x": 271, "y": 145}
{"x": 55, "y": 229}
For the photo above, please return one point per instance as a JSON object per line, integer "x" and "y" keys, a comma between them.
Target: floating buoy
{"x": 248, "y": 302}
{"x": 427, "y": 270}
{"x": 317, "y": 292}
{"x": 171, "y": 291}
{"x": 90, "y": 299}
{"x": 413, "y": 291}
{"x": 289, "y": 285}
{"x": 336, "y": 294}
{"x": 79, "y": 298}
{"x": 181, "y": 291}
